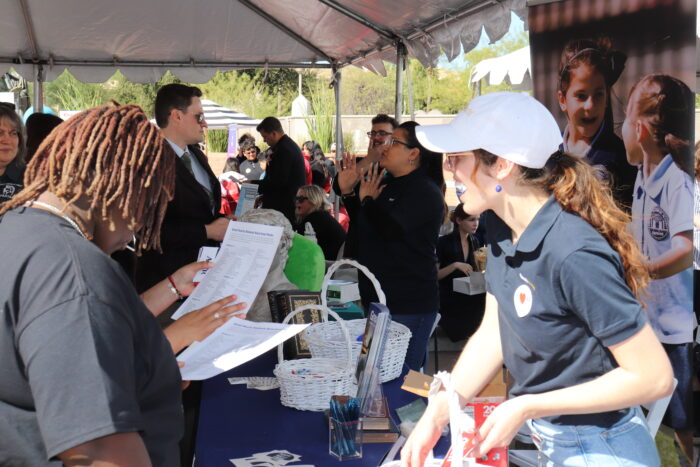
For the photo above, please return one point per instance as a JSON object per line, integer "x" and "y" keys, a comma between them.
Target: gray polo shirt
{"x": 562, "y": 301}
{"x": 82, "y": 356}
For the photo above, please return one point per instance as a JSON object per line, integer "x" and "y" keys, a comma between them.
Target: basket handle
{"x": 326, "y": 311}
{"x": 334, "y": 267}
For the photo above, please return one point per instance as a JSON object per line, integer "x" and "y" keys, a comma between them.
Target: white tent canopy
{"x": 219, "y": 117}
{"x": 513, "y": 67}
{"x": 194, "y": 38}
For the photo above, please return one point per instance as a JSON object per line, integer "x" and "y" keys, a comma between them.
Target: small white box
{"x": 340, "y": 291}
{"x": 473, "y": 284}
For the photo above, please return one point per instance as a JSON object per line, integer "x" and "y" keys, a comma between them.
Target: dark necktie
{"x": 187, "y": 160}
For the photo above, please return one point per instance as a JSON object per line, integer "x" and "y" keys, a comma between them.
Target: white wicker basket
{"x": 309, "y": 383}
{"x": 325, "y": 339}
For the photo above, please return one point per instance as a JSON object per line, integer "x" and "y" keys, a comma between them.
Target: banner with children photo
{"x": 619, "y": 77}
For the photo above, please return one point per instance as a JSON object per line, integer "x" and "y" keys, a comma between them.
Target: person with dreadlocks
{"x": 88, "y": 376}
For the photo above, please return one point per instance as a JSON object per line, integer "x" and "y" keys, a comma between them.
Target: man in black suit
{"x": 192, "y": 219}
{"x": 284, "y": 173}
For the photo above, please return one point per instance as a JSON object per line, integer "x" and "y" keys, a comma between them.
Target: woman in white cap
{"x": 562, "y": 310}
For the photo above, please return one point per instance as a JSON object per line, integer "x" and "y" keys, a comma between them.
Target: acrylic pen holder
{"x": 345, "y": 439}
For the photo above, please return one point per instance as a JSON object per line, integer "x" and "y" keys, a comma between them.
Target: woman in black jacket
{"x": 461, "y": 313}
{"x": 399, "y": 220}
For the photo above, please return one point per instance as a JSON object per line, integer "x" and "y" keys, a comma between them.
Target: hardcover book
{"x": 283, "y": 302}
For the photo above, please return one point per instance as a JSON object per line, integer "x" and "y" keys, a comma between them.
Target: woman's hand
{"x": 348, "y": 175}
{"x": 198, "y": 324}
{"x": 426, "y": 433}
{"x": 464, "y": 268}
{"x": 370, "y": 185}
{"x": 501, "y": 426}
{"x": 183, "y": 276}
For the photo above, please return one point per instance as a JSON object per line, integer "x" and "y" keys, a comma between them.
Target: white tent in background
{"x": 513, "y": 67}
{"x": 219, "y": 117}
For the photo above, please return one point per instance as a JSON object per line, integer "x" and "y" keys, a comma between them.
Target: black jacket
{"x": 183, "y": 231}
{"x": 284, "y": 175}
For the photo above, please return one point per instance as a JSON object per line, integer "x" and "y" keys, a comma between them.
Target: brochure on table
{"x": 242, "y": 264}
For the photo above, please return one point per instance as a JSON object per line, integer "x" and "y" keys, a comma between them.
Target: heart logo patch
{"x": 522, "y": 299}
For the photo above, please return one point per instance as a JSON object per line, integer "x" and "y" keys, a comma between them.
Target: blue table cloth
{"x": 235, "y": 422}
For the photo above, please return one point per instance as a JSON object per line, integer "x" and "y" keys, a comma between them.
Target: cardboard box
{"x": 473, "y": 284}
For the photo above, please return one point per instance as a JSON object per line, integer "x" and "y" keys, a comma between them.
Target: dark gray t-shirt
{"x": 82, "y": 357}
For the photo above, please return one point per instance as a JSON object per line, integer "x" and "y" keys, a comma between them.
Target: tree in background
{"x": 257, "y": 92}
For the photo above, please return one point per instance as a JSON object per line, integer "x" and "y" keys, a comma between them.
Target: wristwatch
{"x": 365, "y": 200}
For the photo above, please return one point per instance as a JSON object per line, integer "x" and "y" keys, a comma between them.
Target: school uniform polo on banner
{"x": 662, "y": 208}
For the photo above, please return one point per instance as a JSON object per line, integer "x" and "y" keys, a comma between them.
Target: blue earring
{"x": 498, "y": 188}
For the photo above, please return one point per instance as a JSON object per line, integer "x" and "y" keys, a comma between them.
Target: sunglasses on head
{"x": 8, "y": 105}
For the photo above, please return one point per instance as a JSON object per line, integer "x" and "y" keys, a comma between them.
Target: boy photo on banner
{"x": 619, "y": 77}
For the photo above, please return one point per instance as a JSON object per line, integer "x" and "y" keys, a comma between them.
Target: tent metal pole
{"x": 382, "y": 31}
{"x": 400, "y": 64}
{"x": 30, "y": 29}
{"x": 275, "y": 22}
{"x": 38, "y": 103}
{"x": 339, "y": 150}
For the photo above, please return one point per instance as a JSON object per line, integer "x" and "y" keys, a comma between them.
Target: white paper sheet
{"x": 233, "y": 344}
{"x": 242, "y": 264}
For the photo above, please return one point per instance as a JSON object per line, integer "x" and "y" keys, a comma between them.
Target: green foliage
{"x": 67, "y": 93}
{"x": 217, "y": 140}
{"x": 320, "y": 124}
{"x": 348, "y": 143}
{"x": 258, "y": 93}
{"x": 144, "y": 95}
{"x": 364, "y": 93}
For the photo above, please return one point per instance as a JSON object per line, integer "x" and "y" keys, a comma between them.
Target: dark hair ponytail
{"x": 573, "y": 183}
{"x": 429, "y": 160}
{"x": 668, "y": 105}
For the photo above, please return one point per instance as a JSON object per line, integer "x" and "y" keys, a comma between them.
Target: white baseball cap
{"x": 514, "y": 126}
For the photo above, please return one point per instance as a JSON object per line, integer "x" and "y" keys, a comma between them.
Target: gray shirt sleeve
{"x": 594, "y": 289}
{"x": 79, "y": 360}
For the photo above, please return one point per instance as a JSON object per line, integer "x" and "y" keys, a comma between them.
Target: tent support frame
{"x": 339, "y": 149}
{"x": 400, "y": 65}
{"x": 270, "y": 19}
{"x": 38, "y": 102}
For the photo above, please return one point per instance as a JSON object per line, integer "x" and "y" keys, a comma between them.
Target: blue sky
{"x": 516, "y": 27}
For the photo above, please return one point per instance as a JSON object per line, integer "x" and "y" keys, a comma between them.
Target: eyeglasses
{"x": 393, "y": 141}
{"x": 381, "y": 134}
{"x": 300, "y": 199}
{"x": 452, "y": 158}
{"x": 199, "y": 117}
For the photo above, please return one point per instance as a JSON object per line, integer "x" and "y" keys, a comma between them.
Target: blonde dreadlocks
{"x": 115, "y": 158}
